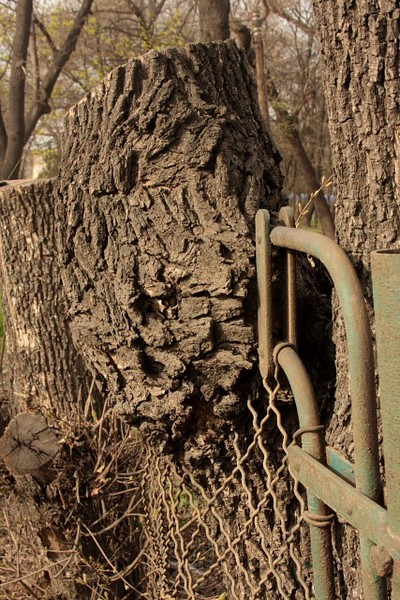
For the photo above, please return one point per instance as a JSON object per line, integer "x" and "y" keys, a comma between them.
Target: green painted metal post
{"x": 361, "y": 374}
{"x": 264, "y": 282}
{"x": 313, "y": 442}
{"x": 386, "y": 288}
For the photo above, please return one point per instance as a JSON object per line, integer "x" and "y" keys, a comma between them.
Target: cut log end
{"x": 28, "y": 445}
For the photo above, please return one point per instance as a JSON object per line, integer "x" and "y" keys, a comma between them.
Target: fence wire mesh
{"x": 230, "y": 531}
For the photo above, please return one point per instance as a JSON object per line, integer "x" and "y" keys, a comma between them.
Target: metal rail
{"x": 359, "y": 341}
{"x": 361, "y": 375}
{"x": 286, "y": 215}
{"x": 385, "y": 266}
{"x": 313, "y": 442}
{"x": 264, "y": 285}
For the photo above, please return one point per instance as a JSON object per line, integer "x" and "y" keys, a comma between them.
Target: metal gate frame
{"x": 353, "y": 491}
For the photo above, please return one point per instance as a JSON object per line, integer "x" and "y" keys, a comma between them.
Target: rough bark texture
{"x": 164, "y": 167}
{"x": 360, "y": 47}
{"x": 46, "y": 371}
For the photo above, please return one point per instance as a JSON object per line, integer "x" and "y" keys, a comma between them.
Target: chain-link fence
{"x": 233, "y": 529}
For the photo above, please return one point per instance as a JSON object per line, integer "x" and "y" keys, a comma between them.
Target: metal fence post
{"x": 385, "y": 266}
{"x": 361, "y": 374}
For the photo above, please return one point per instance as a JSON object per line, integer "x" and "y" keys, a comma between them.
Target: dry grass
{"x": 93, "y": 544}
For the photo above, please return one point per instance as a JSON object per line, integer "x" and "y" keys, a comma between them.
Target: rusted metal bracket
{"x": 264, "y": 284}
{"x": 286, "y": 215}
{"x": 333, "y": 485}
{"x": 371, "y": 519}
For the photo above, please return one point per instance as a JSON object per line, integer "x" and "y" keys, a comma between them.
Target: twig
{"x": 325, "y": 184}
{"x": 75, "y": 546}
{"x": 114, "y": 569}
{"x": 35, "y": 572}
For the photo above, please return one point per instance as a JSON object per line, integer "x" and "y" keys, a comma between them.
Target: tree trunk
{"x": 164, "y": 167}
{"x": 46, "y": 371}
{"x": 288, "y": 128}
{"x": 157, "y": 234}
{"x": 359, "y": 43}
{"x": 48, "y": 377}
{"x": 14, "y": 134}
{"x": 214, "y": 19}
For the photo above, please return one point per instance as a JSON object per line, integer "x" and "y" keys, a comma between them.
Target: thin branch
{"x": 326, "y": 183}
{"x": 157, "y": 10}
{"x": 113, "y": 568}
{"x": 138, "y": 12}
{"x": 273, "y": 6}
{"x": 35, "y": 572}
{"x": 41, "y": 106}
{"x": 46, "y": 34}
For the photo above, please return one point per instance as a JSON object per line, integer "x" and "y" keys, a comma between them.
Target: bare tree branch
{"x": 274, "y": 6}
{"x": 41, "y": 106}
{"x": 35, "y": 59}
{"x": 137, "y": 11}
{"x": 16, "y": 97}
{"x": 157, "y": 10}
{"x": 45, "y": 32}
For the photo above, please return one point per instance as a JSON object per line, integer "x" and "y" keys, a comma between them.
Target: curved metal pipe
{"x": 359, "y": 341}
{"x": 361, "y": 372}
{"x": 314, "y": 444}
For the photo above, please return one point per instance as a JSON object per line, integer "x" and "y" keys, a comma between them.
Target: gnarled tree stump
{"x": 164, "y": 166}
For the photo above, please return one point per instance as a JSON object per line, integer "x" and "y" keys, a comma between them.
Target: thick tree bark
{"x": 164, "y": 167}
{"x": 214, "y": 19}
{"x": 46, "y": 371}
{"x": 58, "y": 489}
{"x": 157, "y": 233}
{"x": 359, "y": 43}
{"x": 48, "y": 377}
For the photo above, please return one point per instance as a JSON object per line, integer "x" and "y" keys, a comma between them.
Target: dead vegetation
{"x": 80, "y": 535}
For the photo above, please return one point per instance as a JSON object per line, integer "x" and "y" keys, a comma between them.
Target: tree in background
{"x": 29, "y": 84}
{"x": 297, "y": 115}
{"x": 57, "y": 49}
{"x": 214, "y": 19}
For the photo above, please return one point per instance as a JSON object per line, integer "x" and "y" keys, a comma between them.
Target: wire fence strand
{"x": 238, "y": 532}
